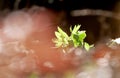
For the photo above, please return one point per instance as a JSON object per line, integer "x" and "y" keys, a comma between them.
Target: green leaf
{"x": 58, "y": 35}
{"x": 87, "y": 46}
{"x": 59, "y": 43}
{"x": 75, "y": 29}
{"x": 62, "y": 39}
{"x": 76, "y": 38}
{"x": 82, "y": 35}
{"x": 63, "y": 34}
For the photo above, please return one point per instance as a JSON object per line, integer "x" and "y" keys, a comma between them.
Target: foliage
{"x": 76, "y": 38}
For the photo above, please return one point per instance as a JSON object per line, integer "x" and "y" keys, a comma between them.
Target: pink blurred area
{"x": 26, "y": 43}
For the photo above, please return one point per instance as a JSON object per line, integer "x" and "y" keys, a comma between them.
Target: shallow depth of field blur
{"x": 99, "y": 18}
{"x": 27, "y": 28}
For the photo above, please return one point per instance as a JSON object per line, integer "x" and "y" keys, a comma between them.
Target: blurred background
{"x": 100, "y": 18}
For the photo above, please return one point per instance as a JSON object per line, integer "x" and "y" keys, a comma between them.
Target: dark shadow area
{"x": 97, "y": 26}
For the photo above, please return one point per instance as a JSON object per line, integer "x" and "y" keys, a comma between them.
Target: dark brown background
{"x": 94, "y": 25}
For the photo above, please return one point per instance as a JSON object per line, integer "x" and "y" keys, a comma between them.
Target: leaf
{"x": 76, "y": 38}
{"x": 62, "y": 39}
{"x": 63, "y": 34}
{"x": 58, "y": 35}
{"x": 87, "y": 46}
{"x": 82, "y": 35}
{"x": 75, "y": 29}
{"x": 58, "y": 43}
